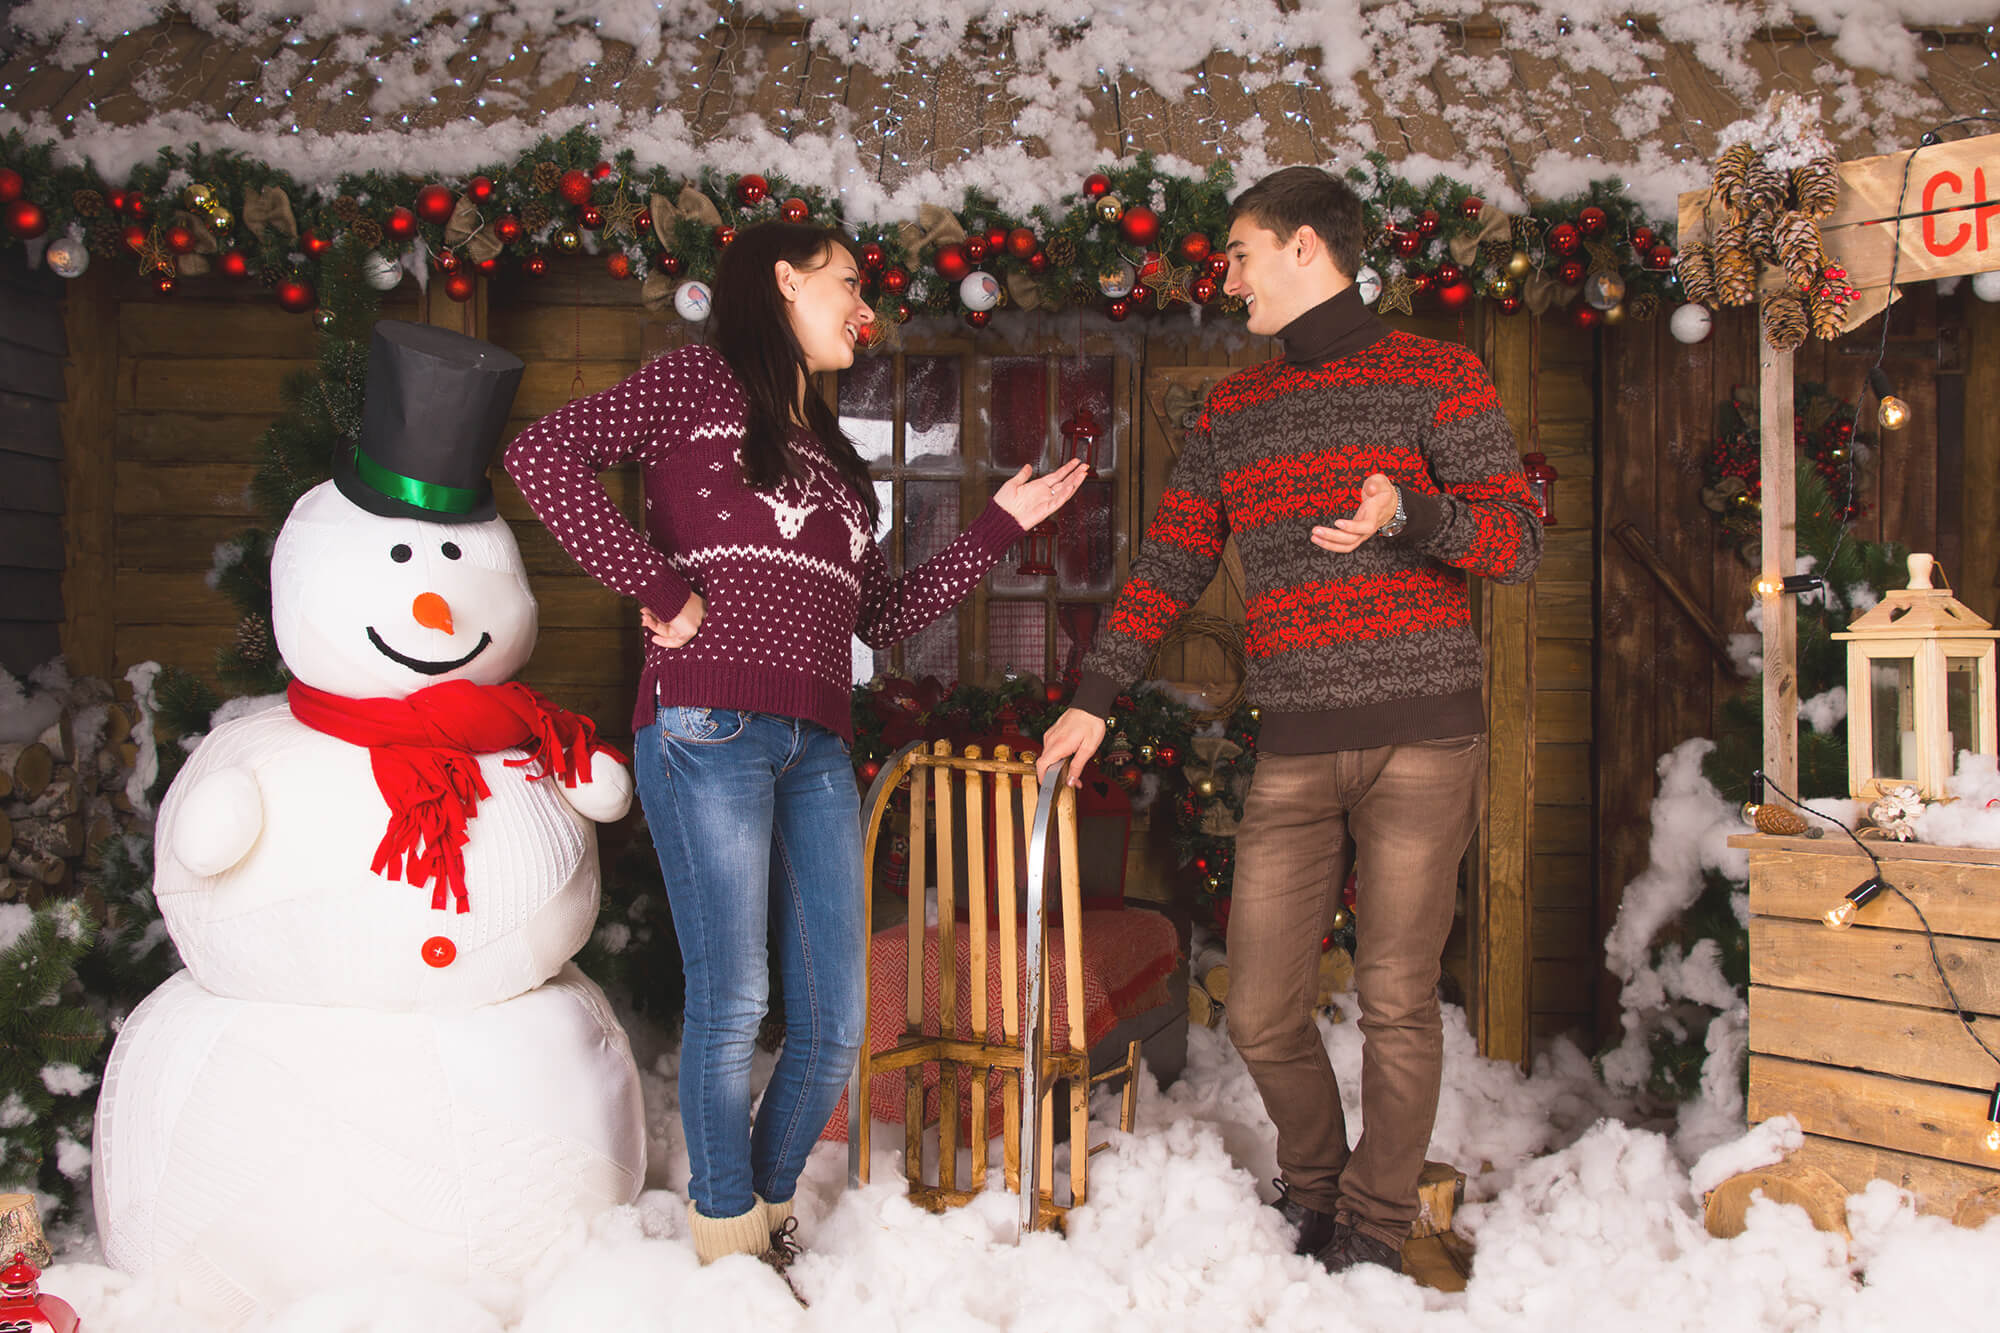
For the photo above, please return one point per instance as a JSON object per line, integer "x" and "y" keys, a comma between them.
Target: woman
{"x": 756, "y": 569}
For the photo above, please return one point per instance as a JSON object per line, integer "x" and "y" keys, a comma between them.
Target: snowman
{"x": 379, "y": 1056}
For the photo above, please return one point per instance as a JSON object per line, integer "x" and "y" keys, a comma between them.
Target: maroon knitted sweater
{"x": 789, "y": 575}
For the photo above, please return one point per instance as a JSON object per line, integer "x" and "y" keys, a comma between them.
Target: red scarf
{"x": 423, "y": 749}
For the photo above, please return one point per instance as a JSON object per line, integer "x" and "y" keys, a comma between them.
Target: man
{"x": 1364, "y": 660}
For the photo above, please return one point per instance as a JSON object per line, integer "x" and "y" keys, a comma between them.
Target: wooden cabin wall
{"x": 31, "y": 463}
{"x": 1659, "y": 680}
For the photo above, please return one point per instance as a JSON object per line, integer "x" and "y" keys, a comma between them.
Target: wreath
{"x": 1823, "y": 432}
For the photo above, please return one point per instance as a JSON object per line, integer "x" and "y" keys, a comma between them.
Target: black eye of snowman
{"x": 451, "y": 551}
{"x": 400, "y": 553}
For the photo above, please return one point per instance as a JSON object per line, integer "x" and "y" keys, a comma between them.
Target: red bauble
{"x": 314, "y": 243}
{"x": 434, "y": 204}
{"x": 1447, "y": 273}
{"x": 1424, "y": 281}
{"x": 1203, "y": 290}
{"x": 574, "y": 187}
{"x": 508, "y": 229}
{"x": 894, "y": 281}
{"x": 671, "y": 265}
{"x": 296, "y": 296}
{"x": 135, "y": 204}
{"x": 26, "y": 219}
{"x": 1427, "y": 223}
{"x": 996, "y": 240}
{"x": 1588, "y": 316}
{"x": 1660, "y": 257}
{"x": 1564, "y": 238}
{"x": 723, "y": 236}
{"x": 795, "y": 210}
{"x": 165, "y": 282}
{"x": 872, "y": 258}
{"x": 869, "y": 769}
{"x": 602, "y": 171}
{"x": 903, "y": 312}
{"x": 490, "y": 264}
{"x": 459, "y": 286}
{"x": 978, "y": 318}
{"x": 1642, "y": 239}
{"x": 1166, "y": 756}
{"x": 116, "y": 199}
{"x": 447, "y": 261}
{"x": 974, "y": 247}
{"x": 751, "y": 190}
{"x": 402, "y": 224}
{"x": 1571, "y": 272}
{"x": 1141, "y": 297}
{"x": 1195, "y": 247}
{"x": 480, "y": 188}
{"x": 591, "y": 216}
{"x": 1408, "y": 243}
{"x": 1471, "y": 207}
{"x": 535, "y": 265}
{"x": 1097, "y": 185}
{"x": 643, "y": 222}
{"x": 233, "y": 264}
{"x": 952, "y": 261}
{"x": 1118, "y": 309}
{"x": 619, "y": 265}
{"x": 1218, "y": 266}
{"x": 1140, "y": 225}
{"x": 11, "y": 185}
{"x": 1021, "y": 243}
{"x": 134, "y": 236}
{"x": 1037, "y": 262}
{"x": 1510, "y": 305}
{"x": 1454, "y": 295}
{"x": 1592, "y": 221}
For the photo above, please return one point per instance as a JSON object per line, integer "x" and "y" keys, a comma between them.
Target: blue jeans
{"x": 758, "y": 828}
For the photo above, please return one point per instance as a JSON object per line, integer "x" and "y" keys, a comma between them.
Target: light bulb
{"x": 1894, "y": 413}
{"x": 1768, "y": 586}
{"x": 1993, "y": 1120}
{"x": 1993, "y": 1136}
{"x": 1841, "y": 917}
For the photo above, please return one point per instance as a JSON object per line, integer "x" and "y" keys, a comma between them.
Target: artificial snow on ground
{"x": 1581, "y": 1220}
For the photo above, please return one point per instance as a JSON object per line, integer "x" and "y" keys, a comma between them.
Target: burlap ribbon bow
{"x": 1494, "y": 225}
{"x": 1181, "y": 403}
{"x": 467, "y": 230}
{"x": 690, "y": 203}
{"x": 194, "y": 263}
{"x": 935, "y": 225}
{"x": 1211, "y": 755}
{"x": 269, "y": 207}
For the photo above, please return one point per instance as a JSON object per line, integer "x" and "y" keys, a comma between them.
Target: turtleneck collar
{"x": 1338, "y": 326}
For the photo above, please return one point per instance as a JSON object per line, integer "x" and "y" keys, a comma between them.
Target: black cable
{"x": 1930, "y": 936}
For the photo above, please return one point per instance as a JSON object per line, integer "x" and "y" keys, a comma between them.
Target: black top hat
{"x": 435, "y": 405}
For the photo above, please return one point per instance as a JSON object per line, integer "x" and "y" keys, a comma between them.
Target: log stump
{"x": 1726, "y": 1206}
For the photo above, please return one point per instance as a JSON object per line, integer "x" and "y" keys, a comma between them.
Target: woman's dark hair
{"x": 751, "y": 326}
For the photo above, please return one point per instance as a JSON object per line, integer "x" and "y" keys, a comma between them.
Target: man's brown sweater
{"x": 1346, "y": 651}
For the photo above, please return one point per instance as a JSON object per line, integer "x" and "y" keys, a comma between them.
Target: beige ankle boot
{"x": 779, "y": 1213}
{"x": 714, "y": 1237}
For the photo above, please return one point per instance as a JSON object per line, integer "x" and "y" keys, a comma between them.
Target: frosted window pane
{"x": 931, "y": 412}
{"x": 868, "y": 406}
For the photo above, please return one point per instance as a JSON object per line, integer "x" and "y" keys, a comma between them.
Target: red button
{"x": 439, "y": 951}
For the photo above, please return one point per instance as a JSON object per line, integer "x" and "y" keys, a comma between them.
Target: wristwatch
{"x": 1396, "y": 520}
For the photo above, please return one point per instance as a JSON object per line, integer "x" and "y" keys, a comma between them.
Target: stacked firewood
{"x": 64, "y": 793}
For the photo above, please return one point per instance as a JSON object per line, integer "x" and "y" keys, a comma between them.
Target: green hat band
{"x": 422, "y": 494}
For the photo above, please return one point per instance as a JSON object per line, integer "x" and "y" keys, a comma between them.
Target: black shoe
{"x": 1314, "y": 1227}
{"x": 784, "y": 1249}
{"x": 1350, "y": 1249}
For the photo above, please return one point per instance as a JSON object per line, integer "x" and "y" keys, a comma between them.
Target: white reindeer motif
{"x": 857, "y": 536}
{"x": 791, "y": 518}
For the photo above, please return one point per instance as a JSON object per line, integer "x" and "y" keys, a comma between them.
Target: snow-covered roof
{"x": 894, "y": 101}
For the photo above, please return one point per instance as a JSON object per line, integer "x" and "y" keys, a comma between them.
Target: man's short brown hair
{"x": 1297, "y": 197}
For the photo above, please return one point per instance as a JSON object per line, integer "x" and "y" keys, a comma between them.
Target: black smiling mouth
{"x": 418, "y": 663}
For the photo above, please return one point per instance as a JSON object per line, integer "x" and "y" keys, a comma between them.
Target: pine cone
{"x": 1495, "y": 252}
{"x": 1061, "y": 249}
{"x": 1760, "y": 235}
{"x": 1643, "y": 307}
{"x": 87, "y": 203}
{"x": 106, "y": 238}
{"x": 367, "y": 231}
{"x": 1764, "y": 187}
{"x": 1828, "y": 316}
{"x": 1734, "y": 266}
{"x": 1800, "y": 250}
{"x": 547, "y": 177}
{"x": 535, "y": 214}
{"x": 254, "y": 644}
{"x": 1816, "y": 185}
{"x": 1785, "y": 321}
{"x": 1696, "y": 270}
{"x": 346, "y": 209}
{"x": 1731, "y": 170}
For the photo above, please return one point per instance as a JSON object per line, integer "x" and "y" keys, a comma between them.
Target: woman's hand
{"x": 1029, "y": 499}
{"x": 676, "y": 632}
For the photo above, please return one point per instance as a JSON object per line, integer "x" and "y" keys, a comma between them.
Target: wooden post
{"x": 89, "y": 431}
{"x": 1503, "y": 912}
{"x": 1781, "y": 547}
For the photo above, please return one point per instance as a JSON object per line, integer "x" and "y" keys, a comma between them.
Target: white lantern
{"x": 1919, "y": 689}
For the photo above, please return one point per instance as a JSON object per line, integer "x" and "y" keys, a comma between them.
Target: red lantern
{"x": 1140, "y": 225}
{"x": 1116, "y": 310}
{"x": 1195, "y": 247}
{"x": 574, "y": 187}
{"x": 1203, "y": 290}
{"x": 480, "y": 188}
{"x": 1038, "y": 549}
{"x": 591, "y": 216}
{"x": 24, "y": 1308}
{"x": 894, "y": 281}
{"x": 434, "y": 204}
{"x": 1541, "y": 479}
{"x": 459, "y": 286}
{"x": 795, "y": 210}
{"x": 1427, "y": 223}
{"x": 508, "y": 229}
{"x": 26, "y": 219}
{"x": 402, "y": 224}
{"x": 974, "y": 247}
{"x": 1021, "y": 243}
{"x": 12, "y": 184}
{"x": 1592, "y": 220}
{"x": 1080, "y": 435}
{"x": 978, "y": 318}
{"x": 1563, "y": 238}
{"x": 952, "y": 261}
{"x": 233, "y": 264}
{"x": 619, "y": 265}
{"x": 296, "y": 296}
{"x": 1097, "y": 185}
{"x": 751, "y": 189}
{"x": 535, "y": 265}
{"x": 602, "y": 171}
{"x": 872, "y": 258}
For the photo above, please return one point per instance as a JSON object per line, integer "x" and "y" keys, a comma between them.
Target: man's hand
{"x": 1075, "y": 736}
{"x": 1378, "y": 506}
{"x": 676, "y": 632}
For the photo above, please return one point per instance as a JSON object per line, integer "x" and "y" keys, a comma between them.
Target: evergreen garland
{"x": 51, "y": 1044}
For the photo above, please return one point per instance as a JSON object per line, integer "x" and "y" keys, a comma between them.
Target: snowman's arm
{"x": 608, "y": 794}
{"x": 218, "y": 821}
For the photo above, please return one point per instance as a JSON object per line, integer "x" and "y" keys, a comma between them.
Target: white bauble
{"x": 1691, "y": 323}
{"x": 68, "y": 257}
{"x": 1986, "y": 286}
{"x": 1370, "y": 283}
{"x": 691, "y": 301}
{"x": 1604, "y": 290}
{"x": 980, "y": 291}
{"x": 247, "y": 1154}
{"x": 382, "y": 271}
{"x": 345, "y": 585}
{"x": 1118, "y": 280}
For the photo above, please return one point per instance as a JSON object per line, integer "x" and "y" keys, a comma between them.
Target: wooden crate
{"x": 1851, "y": 1031}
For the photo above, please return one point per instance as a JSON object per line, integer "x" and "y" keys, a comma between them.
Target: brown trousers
{"x": 1407, "y": 813}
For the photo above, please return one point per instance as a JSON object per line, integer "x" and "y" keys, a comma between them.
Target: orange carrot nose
{"x": 431, "y": 611}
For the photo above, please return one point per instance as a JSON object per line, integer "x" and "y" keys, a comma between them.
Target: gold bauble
{"x": 1110, "y": 722}
{"x": 1616, "y": 314}
{"x": 1518, "y": 264}
{"x": 568, "y": 240}
{"x": 198, "y": 196}
{"x": 1145, "y": 754}
{"x": 1503, "y": 286}
{"x": 1215, "y": 883}
{"x": 221, "y": 218}
{"x": 1206, "y": 786}
{"x": 1110, "y": 208}
{"x": 1342, "y": 918}
{"x": 1256, "y": 713}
